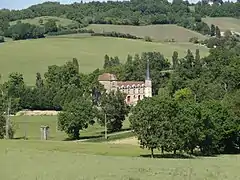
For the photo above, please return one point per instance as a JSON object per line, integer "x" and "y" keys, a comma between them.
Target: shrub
{"x": 194, "y": 40}
{"x": 116, "y": 34}
{"x": 147, "y": 39}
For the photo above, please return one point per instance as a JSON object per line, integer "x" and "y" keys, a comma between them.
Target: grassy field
{"x": 30, "y": 125}
{"x": 224, "y": 23}
{"x": 28, "y": 160}
{"x": 156, "y": 32}
{"x": 62, "y": 160}
{"x": 35, "y": 21}
{"x": 32, "y": 56}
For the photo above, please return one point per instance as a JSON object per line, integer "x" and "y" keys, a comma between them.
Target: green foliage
{"x": 110, "y": 62}
{"x": 50, "y": 26}
{"x": 148, "y": 39}
{"x": 183, "y": 94}
{"x": 76, "y": 116}
{"x": 226, "y": 9}
{"x": 150, "y": 119}
{"x": 114, "y": 109}
{"x": 116, "y": 34}
{"x": 171, "y": 125}
{"x": 218, "y": 32}
{"x": 21, "y": 31}
{"x": 2, "y": 126}
{"x": 213, "y": 30}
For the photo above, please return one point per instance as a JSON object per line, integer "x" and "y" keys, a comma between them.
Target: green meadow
{"x": 31, "y": 56}
{"x": 156, "y": 32}
{"x": 28, "y": 160}
{"x": 29, "y": 126}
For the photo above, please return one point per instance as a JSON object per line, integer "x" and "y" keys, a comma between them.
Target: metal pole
{"x": 105, "y": 126}
{"x": 8, "y": 119}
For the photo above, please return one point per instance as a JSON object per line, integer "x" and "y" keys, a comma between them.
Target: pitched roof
{"x": 107, "y": 77}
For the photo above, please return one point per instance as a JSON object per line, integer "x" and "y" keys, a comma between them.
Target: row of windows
{"x": 135, "y": 91}
{"x": 130, "y": 87}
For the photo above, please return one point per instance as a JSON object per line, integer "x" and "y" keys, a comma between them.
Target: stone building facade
{"x": 134, "y": 90}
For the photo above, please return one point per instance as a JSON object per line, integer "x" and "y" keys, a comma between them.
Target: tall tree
{"x": 175, "y": 59}
{"x": 151, "y": 121}
{"x": 76, "y": 116}
{"x": 113, "y": 106}
{"x": 76, "y": 64}
{"x": 39, "y": 80}
{"x": 218, "y": 32}
{"x": 213, "y": 30}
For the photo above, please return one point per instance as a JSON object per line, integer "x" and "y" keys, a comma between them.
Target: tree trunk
{"x": 152, "y": 154}
{"x": 162, "y": 150}
{"x": 175, "y": 151}
{"x": 76, "y": 134}
{"x": 192, "y": 151}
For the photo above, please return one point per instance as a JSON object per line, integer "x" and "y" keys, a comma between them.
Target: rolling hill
{"x": 156, "y": 32}
{"x": 32, "y": 56}
{"x": 224, "y": 23}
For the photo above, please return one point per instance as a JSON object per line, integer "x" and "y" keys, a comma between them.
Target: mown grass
{"x": 224, "y": 23}
{"x": 28, "y": 160}
{"x": 29, "y": 126}
{"x": 31, "y": 56}
{"x": 35, "y": 21}
{"x": 156, "y": 32}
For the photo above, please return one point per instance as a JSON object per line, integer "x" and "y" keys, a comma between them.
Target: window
{"x": 139, "y": 97}
{"x": 128, "y": 99}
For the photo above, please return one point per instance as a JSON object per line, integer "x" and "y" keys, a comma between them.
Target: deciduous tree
{"x": 76, "y": 116}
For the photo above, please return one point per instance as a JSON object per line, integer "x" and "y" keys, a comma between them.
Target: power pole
{"x": 105, "y": 124}
{"x": 8, "y": 118}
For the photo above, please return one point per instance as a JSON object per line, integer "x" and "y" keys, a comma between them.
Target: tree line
{"x": 134, "y": 12}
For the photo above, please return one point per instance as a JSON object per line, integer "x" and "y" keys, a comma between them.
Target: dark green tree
{"x": 50, "y": 26}
{"x": 76, "y": 64}
{"x": 76, "y": 116}
{"x": 175, "y": 59}
{"x": 113, "y": 106}
{"x": 151, "y": 119}
{"x": 218, "y": 32}
{"x": 213, "y": 30}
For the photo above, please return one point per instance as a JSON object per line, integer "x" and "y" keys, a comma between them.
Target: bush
{"x": 70, "y": 31}
{"x": 147, "y": 39}
{"x": 194, "y": 40}
{"x": 116, "y": 34}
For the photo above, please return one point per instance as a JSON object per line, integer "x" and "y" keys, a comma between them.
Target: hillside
{"x": 156, "y": 32}
{"x": 224, "y": 23}
{"x": 35, "y": 21}
{"x": 31, "y": 56}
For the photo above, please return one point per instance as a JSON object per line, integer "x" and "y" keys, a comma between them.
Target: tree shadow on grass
{"x": 177, "y": 156}
{"x": 169, "y": 156}
{"x": 84, "y": 138}
{"x": 122, "y": 130}
{"x": 20, "y": 138}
